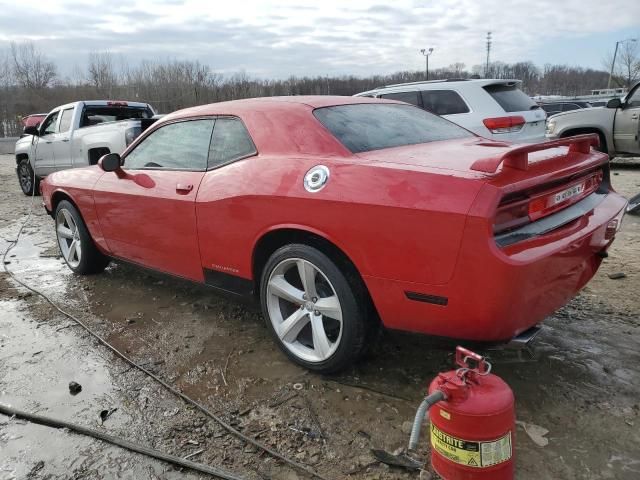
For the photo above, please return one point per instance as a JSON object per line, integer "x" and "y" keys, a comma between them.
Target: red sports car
{"x": 339, "y": 212}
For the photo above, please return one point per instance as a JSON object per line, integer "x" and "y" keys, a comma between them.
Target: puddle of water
{"x": 36, "y": 365}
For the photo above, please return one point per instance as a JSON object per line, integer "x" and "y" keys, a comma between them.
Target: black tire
{"x": 29, "y": 183}
{"x": 91, "y": 259}
{"x": 352, "y": 341}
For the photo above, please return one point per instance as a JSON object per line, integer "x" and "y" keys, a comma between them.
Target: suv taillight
{"x": 504, "y": 124}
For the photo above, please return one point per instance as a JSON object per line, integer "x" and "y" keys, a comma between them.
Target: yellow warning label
{"x": 472, "y": 454}
{"x": 445, "y": 414}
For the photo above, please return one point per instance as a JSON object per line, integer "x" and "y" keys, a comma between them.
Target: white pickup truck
{"x": 617, "y": 124}
{"x": 77, "y": 135}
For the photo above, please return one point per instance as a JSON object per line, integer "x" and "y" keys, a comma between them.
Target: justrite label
{"x": 471, "y": 454}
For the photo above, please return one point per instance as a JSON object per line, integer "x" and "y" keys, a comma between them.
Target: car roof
{"x": 265, "y": 104}
{"x": 279, "y": 125}
{"x": 443, "y": 84}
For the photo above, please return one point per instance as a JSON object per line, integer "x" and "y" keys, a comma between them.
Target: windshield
{"x": 374, "y": 126}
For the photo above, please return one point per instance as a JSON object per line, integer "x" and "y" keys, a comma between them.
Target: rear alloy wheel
{"x": 28, "y": 181}
{"x": 311, "y": 309}
{"x": 76, "y": 246}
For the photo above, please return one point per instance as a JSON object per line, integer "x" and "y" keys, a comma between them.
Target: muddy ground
{"x": 583, "y": 386}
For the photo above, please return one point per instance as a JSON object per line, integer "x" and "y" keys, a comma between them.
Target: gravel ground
{"x": 583, "y": 385}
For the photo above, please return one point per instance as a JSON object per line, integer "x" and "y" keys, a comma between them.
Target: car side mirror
{"x": 31, "y": 130}
{"x": 614, "y": 103}
{"x": 109, "y": 162}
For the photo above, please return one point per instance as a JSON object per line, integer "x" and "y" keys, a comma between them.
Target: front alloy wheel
{"x": 311, "y": 309}
{"x": 28, "y": 181}
{"x": 68, "y": 238}
{"x": 76, "y": 245}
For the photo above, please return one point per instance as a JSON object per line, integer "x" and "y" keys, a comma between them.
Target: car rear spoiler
{"x": 518, "y": 157}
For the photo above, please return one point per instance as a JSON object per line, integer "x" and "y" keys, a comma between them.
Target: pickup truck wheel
{"x": 29, "y": 183}
{"x": 76, "y": 245}
{"x": 312, "y": 310}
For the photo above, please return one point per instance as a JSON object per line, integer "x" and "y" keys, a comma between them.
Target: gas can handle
{"x": 463, "y": 355}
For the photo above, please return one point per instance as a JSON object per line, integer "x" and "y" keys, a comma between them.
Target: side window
{"x": 443, "y": 102}
{"x": 49, "y": 125}
{"x": 230, "y": 142}
{"x": 176, "y": 146}
{"x": 634, "y": 100}
{"x": 65, "y": 120}
{"x": 567, "y": 107}
{"x": 410, "y": 97}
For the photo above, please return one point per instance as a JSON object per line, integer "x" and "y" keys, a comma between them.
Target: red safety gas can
{"x": 472, "y": 431}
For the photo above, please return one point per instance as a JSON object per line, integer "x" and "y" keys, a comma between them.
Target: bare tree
{"x": 628, "y": 64}
{"x": 626, "y": 70}
{"x": 102, "y": 74}
{"x": 30, "y": 67}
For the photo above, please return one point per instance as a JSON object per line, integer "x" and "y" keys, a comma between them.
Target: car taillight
{"x": 504, "y": 124}
{"x": 117, "y": 104}
{"x": 511, "y": 216}
{"x": 534, "y": 205}
{"x": 547, "y": 203}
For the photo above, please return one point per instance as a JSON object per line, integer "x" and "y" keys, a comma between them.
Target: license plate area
{"x": 564, "y": 195}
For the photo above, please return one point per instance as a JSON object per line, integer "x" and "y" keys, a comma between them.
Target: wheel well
{"x": 21, "y": 156}
{"x": 57, "y": 197}
{"x": 96, "y": 153}
{"x": 272, "y": 241}
{"x": 580, "y": 131}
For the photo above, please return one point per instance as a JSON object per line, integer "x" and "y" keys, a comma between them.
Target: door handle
{"x": 184, "y": 188}
{"x": 48, "y": 142}
{"x": 65, "y": 139}
{"x": 634, "y": 116}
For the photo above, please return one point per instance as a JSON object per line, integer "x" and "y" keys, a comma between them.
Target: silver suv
{"x": 495, "y": 109}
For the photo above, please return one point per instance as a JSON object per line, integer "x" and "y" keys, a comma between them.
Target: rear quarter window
{"x": 374, "y": 126}
{"x": 443, "y": 102}
{"x": 408, "y": 97}
{"x": 510, "y": 98}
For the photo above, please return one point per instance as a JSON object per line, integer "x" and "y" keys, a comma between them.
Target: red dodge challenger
{"x": 339, "y": 211}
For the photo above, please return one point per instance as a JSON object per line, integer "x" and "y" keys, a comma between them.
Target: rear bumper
{"x": 497, "y": 293}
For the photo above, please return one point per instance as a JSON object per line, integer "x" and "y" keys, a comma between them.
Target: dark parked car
{"x": 558, "y": 107}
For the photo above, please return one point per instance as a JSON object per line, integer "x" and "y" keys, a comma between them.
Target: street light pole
{"x": 426, "y": 54}
{"x": 615, "y": 53}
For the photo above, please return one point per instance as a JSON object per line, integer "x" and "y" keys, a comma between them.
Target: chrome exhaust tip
{"x": 521, "y": 346}
{"x": 523, "y": 341}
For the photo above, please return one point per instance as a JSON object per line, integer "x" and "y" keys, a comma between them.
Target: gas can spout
{"x": 428, "y": 401}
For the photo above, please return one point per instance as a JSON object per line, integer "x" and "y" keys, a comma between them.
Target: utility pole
{"x": 486, "y": 70}
{"x": 426, "y": 53}
{"x": 615, "y": 53}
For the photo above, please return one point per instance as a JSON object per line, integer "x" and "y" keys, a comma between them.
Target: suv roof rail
{"x": 428, "y": 81}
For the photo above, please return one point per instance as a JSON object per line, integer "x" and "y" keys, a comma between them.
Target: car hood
{"x": 594, "y": 114}
{"x": 26, "y": 140}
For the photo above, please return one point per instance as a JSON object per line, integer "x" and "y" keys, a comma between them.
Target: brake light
{"x": 511, "y": 216}
{"x": 504, "y": 124}
{"x": 531, "y": 206}
{"x": 117, "y": 104}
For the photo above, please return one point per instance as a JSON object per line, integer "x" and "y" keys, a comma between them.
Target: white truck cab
{"x": 77, "y": 135}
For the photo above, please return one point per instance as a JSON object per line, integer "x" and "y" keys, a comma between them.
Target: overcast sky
{"x": 280, "y": 38}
